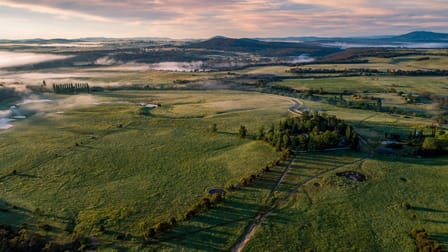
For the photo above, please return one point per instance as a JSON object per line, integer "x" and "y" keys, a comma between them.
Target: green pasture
{"x": 80, "y": 167}
{"x": 333, "y": 213}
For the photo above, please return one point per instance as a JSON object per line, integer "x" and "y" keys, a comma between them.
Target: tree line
{"x": 369, "y": 72}
{"x": 71, "y": 88}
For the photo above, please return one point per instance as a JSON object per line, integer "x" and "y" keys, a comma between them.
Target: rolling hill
{"x": 264, "y": 48}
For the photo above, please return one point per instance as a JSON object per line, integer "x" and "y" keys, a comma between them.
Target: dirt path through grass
{"x": 262, "y": 216}
{"x": 251, "y": 231}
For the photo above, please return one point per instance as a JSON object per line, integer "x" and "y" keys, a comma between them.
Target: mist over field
{"x": 304, "y": 58}
{"x": 10, "y": 59}
{"x": 178, "y": 66}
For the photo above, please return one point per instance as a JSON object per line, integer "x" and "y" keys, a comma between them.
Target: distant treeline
{"x": 319, "y": 71}
{"x": 71, "y": 88}
{"x": 368, "y": 72}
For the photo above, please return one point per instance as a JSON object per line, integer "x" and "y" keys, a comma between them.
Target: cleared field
{"x": 429, "y": 60}
{"x": 332, "y": 213}
{"x": 274, "y": 70}
{"x": 320, "y": 211}
{"x": 80, "y": 167}
{"x": 435, "y": 85}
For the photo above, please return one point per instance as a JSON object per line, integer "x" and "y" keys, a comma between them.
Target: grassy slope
{"x": 129, "y": 178}
{"x": 332, "y": 214}
{"x": 349, "y": 216}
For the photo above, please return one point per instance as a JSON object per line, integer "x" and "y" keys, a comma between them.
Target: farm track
{"x": 262, "y": 216}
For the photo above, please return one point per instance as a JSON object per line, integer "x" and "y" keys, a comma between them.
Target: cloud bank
{"x": 201, "y": 18}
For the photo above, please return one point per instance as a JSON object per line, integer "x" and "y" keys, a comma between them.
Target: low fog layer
{"x": 74, "y": 44}
{"x": 304, "y": 58}
{"x": 55, "y": 106}
{"x": 10, "y": 59}
{"x": 178, "y": 66}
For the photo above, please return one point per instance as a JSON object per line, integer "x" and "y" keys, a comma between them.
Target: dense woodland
{"x": 311, "y": 131}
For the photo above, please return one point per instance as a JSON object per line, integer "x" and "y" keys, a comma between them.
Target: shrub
{"x": 190, "y": 214}
{"x": 266, "y": 168}
{"x": 150, "y": 234}
{"x": 230, "y": 186}
{"x": 161, "y": 227}
{"x": 216, "y": 198}
{"x": 205, "y": 203}
{"x": 406, "y": 205}
{"x": 244, "y": 182}
{"x": 214, "y": 128}
{"x": 173, "y": 221}
{"x": 423, "y": 241}
{"x": 242, "y": 131}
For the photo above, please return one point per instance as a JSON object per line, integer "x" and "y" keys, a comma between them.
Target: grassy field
{"x": 331, "y": 213}
{"x": 323, "y": 212}
{"x": 434, "y": 85}
{"x": 82, "y": 166}
{"x": 82, "y": 162}
{"x": 435, "y": 60}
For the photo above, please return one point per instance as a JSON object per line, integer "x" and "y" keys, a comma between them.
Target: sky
{"x": 180, "y": 19}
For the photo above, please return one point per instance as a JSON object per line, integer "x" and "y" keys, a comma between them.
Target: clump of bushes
{"x": 424, "y": 242}
{"x": 406, "y": 205}
{"x": 216, "y": 198}
{"x": 266, "y": 169}
{"x": 189, "y": 214}
{"x": 160, "y": 228}
{"x": 150, "y": 234}
{"x": 25, "y": 240}
{"x": 230, "y": 186}
{"x": 244, "y": 182}
{"x": 205, "y": 203}
{"x": 173, "y": 221}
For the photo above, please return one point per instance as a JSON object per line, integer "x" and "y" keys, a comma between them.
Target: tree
{"x": 214, "y": 127}
{"x": 348, "y": 133}
{"x": 379, "y": 104}
{"x": 261, "y": 132}
{"x": 243, "y": 131}
{"x": 355, "y": 142}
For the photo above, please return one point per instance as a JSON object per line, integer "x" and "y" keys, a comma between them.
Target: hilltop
{"x": 263, "y": 48}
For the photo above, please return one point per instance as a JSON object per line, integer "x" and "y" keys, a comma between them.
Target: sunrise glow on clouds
{"x": 206, "y": 18}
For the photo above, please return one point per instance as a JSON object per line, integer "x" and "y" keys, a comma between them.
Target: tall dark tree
{"x": 243, "y": 131}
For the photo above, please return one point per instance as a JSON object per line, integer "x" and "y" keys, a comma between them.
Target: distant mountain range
{"x": 412, "y": 37}
{"x": 281, "y": 47}
{"x": 318, "y": 46}
{"x": 421, "y": 36}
